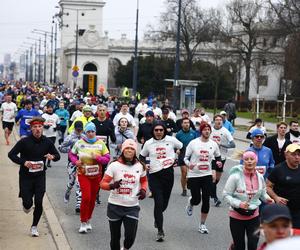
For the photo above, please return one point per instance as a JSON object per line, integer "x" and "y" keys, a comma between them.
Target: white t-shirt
{"x": 172, "y": 116}
{"x": 295, "y": 139}
{"x": 157, "y": 112}
{"x": 263, "y": 129}
{"x": 9, "y": 111}
{"x": 126, "y": 194}
{"x": 128, "y": 116}
{"x": 200, "y": 154}
{"x": 222, "y": 137}
{"x": 205, "y": 118}
{"x": 161, "y": 152}
{"x": 141, "y": 108}
{"x": 280, "y": 143}
{"x": 196, "y": 121}
{"x": 52, "y": 121}
{"x": 75, "y": 115}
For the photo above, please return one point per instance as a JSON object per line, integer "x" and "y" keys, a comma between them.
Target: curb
{"x": 58, "y": 235}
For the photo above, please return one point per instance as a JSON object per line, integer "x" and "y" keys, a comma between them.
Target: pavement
{"x": 54, "y": 228}
{"x": 14, "y": 223}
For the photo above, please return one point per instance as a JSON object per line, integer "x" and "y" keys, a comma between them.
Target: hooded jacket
{"x": 235, "y": 189}
{"x": 120, "y": 138}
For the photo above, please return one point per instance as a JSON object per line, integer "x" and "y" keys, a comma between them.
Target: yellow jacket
{"x": 84, "y": 121}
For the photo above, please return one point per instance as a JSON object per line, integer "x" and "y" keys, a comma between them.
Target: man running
{"x": 34, "y": 150}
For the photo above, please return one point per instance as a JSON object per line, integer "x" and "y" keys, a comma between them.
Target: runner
{"x": 64, "y": 117}
{"x": 184, "y": 135}
{"x": 66, "y": 147}
{"x": 125, "y": 113}
{"x": 161, "y": 151}
{"x": 126, "y": 178}
{"x": 243, "y": 191}
{"x": 8, "y": 110}
{"x": 34, "y": 150}
{"x": 224, "y": 139}
{"x": 85, "y": 118}
{"x": 89, "y": 154}
{"x": 198, "y": 156}
{"x": 294, "y": 135}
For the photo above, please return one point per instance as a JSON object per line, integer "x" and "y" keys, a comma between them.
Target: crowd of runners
{"x": 131, "y": 147}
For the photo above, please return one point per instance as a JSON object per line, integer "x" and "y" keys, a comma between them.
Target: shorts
{"x": 8, "y": 125}
{"x": 215, "y": 167}
{"x": 181, "y": 158}
{"x": 116, "y": 212}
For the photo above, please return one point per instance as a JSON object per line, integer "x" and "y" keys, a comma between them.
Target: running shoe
{"x": 82, "y": 229}
{"x": 160, "y": 236}
{"x": 217, "y": 202}
{"x": 27, "y": 210}
{"x": 98, "y": 201}
{"x": 184, "y": 193}
{"x": 34, "y": 231}
{"x": 89, "y": 226}
{"x": 77, "y": 210}
{"x": 150, "y": 195}
{"x": 67, "y": 196}
{"x": 189, "y": 207}
{"x": 202, "y": 229}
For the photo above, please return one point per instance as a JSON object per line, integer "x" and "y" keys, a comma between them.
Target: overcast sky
{"x": 19, "y": 17}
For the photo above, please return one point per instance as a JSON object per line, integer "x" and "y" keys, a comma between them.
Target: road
{"x": 181, "y": 230}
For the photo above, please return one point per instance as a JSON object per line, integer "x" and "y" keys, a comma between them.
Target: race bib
{"x": 27, "y": 122}
{"x": 91, "y": 170}
{"x": 261, "y": 169}
{"x": 36, "y": 166}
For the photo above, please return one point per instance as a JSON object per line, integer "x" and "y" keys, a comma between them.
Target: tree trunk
{"x": 247, "y": 78}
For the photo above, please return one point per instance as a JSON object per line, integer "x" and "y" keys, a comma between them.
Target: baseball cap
{"x": 129, "y": 143}
{"x": 256, "y": 132}
{"x": 78, "y": 125}
{"x": 273, "y": 212}
{"x": 292, "y": 148}
{"x": 223, "y": 113}
{"x": 86, "y": 108}
{"x": 149, "y": 113}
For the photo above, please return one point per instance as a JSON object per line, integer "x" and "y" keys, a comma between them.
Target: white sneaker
{"x": 82, "y": 229}
{"x": 189, "y": 207}
{"x": 202, "y": 229}
{"x": 88, "y": 226}
{"x": 26, "y": 211}
{"x": 34, "y": 231}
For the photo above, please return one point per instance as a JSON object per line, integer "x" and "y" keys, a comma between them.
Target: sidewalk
{"x": 14, "y": 223}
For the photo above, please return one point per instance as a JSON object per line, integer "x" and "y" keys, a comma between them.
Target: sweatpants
{"x": 61, "y": 133}
{"x": 128, "y": 216}
{"x": 89, "y": 189}
{"x": 200, "y": 188}
{"x": 238, "y": 230}
{"x": 73, "y": 181}
{"x": 33, "y": 186}
{"x": 161, "y": 186}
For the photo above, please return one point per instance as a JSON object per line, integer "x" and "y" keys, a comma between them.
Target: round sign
{"x": 75, "y": 73}
{"x": 75, "y": 68}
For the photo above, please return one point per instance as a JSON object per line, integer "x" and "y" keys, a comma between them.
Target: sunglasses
{"x": 158, "y": 130}
{"x": 259, "y": 136}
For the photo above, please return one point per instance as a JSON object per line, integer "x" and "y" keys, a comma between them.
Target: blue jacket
{"x": 227, "y": 124}
{"x": 186, "y": 137}
{"x": 63, "y": 115}
{"x": 25, "y": 116}
{"x": 265, "y": 162}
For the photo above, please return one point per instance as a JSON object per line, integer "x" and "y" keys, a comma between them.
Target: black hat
{"x": 78, "y": 125}
{"x": 149, "y": 113}
{"x": 165, "y": 111}
{"x": 275, "y": 211}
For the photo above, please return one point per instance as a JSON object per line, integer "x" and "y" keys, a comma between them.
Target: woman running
{"x": 126, "y": 178}
{"x": 89, "y": 154}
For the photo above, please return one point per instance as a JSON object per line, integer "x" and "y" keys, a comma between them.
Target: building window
{"x": 263, "y": 80}
{"x": 264, "y": 42}
{"x": 90, "y": 67}
{"x": 264, "y": 62}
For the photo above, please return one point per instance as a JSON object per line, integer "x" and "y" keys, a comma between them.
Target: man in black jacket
{"x": 169, "y": 123}
{"x": 293, "y": 135}
{"x": 278, "y": 143}
{"x": 34, "y": 150}
{"x": 145, "y": 129}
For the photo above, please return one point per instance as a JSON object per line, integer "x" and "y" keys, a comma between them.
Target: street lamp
{"x": 39, "y": 57}
{"x": 76, "y": 39}
{"x": 30, "y": 61}
{"x": 135, "y": 62}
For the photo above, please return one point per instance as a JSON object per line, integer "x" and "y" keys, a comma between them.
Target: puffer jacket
{"x": 120, "y": 138}
{"x": 235, "y": 189}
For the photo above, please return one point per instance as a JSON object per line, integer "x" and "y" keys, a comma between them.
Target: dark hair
{"x": 185, "y": 118}
{"x": 293, "y": 121}
{"x": 281, "y": 123}
{"x": 124, "y": 103}
{"x": 159, "y": 123}
{"x": 119, "y": 122}
{"x": 217, "y": 115}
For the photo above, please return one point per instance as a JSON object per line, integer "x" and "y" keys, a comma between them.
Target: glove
{"x": 46, "y": 126}
{"x": 141, "y": 194}
{"x": 54, "y": 129}
{"x": 115, "y": 184}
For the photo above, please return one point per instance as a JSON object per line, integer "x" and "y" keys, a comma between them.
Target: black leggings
{"x": 200, "y": 188}
{"x": 33, "y": 186}
{"x": 161, "y": 186}
{"x": 130, "y": 226}
{"x": 238, "y": 229}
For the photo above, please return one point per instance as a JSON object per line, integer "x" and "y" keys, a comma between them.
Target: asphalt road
{"x": 181, "y": 231}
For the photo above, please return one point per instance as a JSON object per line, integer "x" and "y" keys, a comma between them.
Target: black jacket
{"x": 271, "y": 142}
{"x": 145, "y": 131}
{"x": 32, "y": 149}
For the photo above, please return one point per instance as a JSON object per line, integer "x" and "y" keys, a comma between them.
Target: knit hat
{"x": 250, "y": 153}
{"x": 89, "y": 127}
{"x": 129, "y": 143}
{"x": 256, "y": 132}
{"x": 204, "y": 125}
{"x": 86, "y": 108}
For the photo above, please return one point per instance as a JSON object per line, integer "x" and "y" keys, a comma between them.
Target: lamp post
{"x": 30, "y": 74}
{"x": 135, "y": 62}
{"x": 39, "y": 57}
{"x": 177, "y": 59}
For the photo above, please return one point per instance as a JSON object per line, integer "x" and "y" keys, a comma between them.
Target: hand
{"x": 28, "y": 164}
{"x": 214, "y": 176}
{"x": 141, "y": 194}
{"x": 49, "y": 157}
{"x": 244, "y": 205}
{"x": 169, "y": 130}
{"x": 191, "y": 166}
{"x": 79, "y": 163}
{"x": 219, "y": 164}
{"x": 115, "y": 185}
{"x": 269, "y": 200}
{"x": 142, "y": 141}
{"x": 147, "y": 166}
{"x": 178, "y": 151}
{"x": 281, "y": 200}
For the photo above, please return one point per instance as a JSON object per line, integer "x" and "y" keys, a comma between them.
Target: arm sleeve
{"x": 145, "y": 152}
{"x": 53, "y": 151}
{"x": 187, "y": 155}
{"x": 228, "y": 191}
{"x": 103, "y": 160}
{"x": 112, "y": 132}
{"x": 13, "y": 154}
{"x": 144, "y": 182}
{"x": 248, "y": 136}
{"x": 139, "y": 134}
{"x": 104, "y": 184}
{"x": 65, "y": 146}
{"x": 177, "y": 144}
